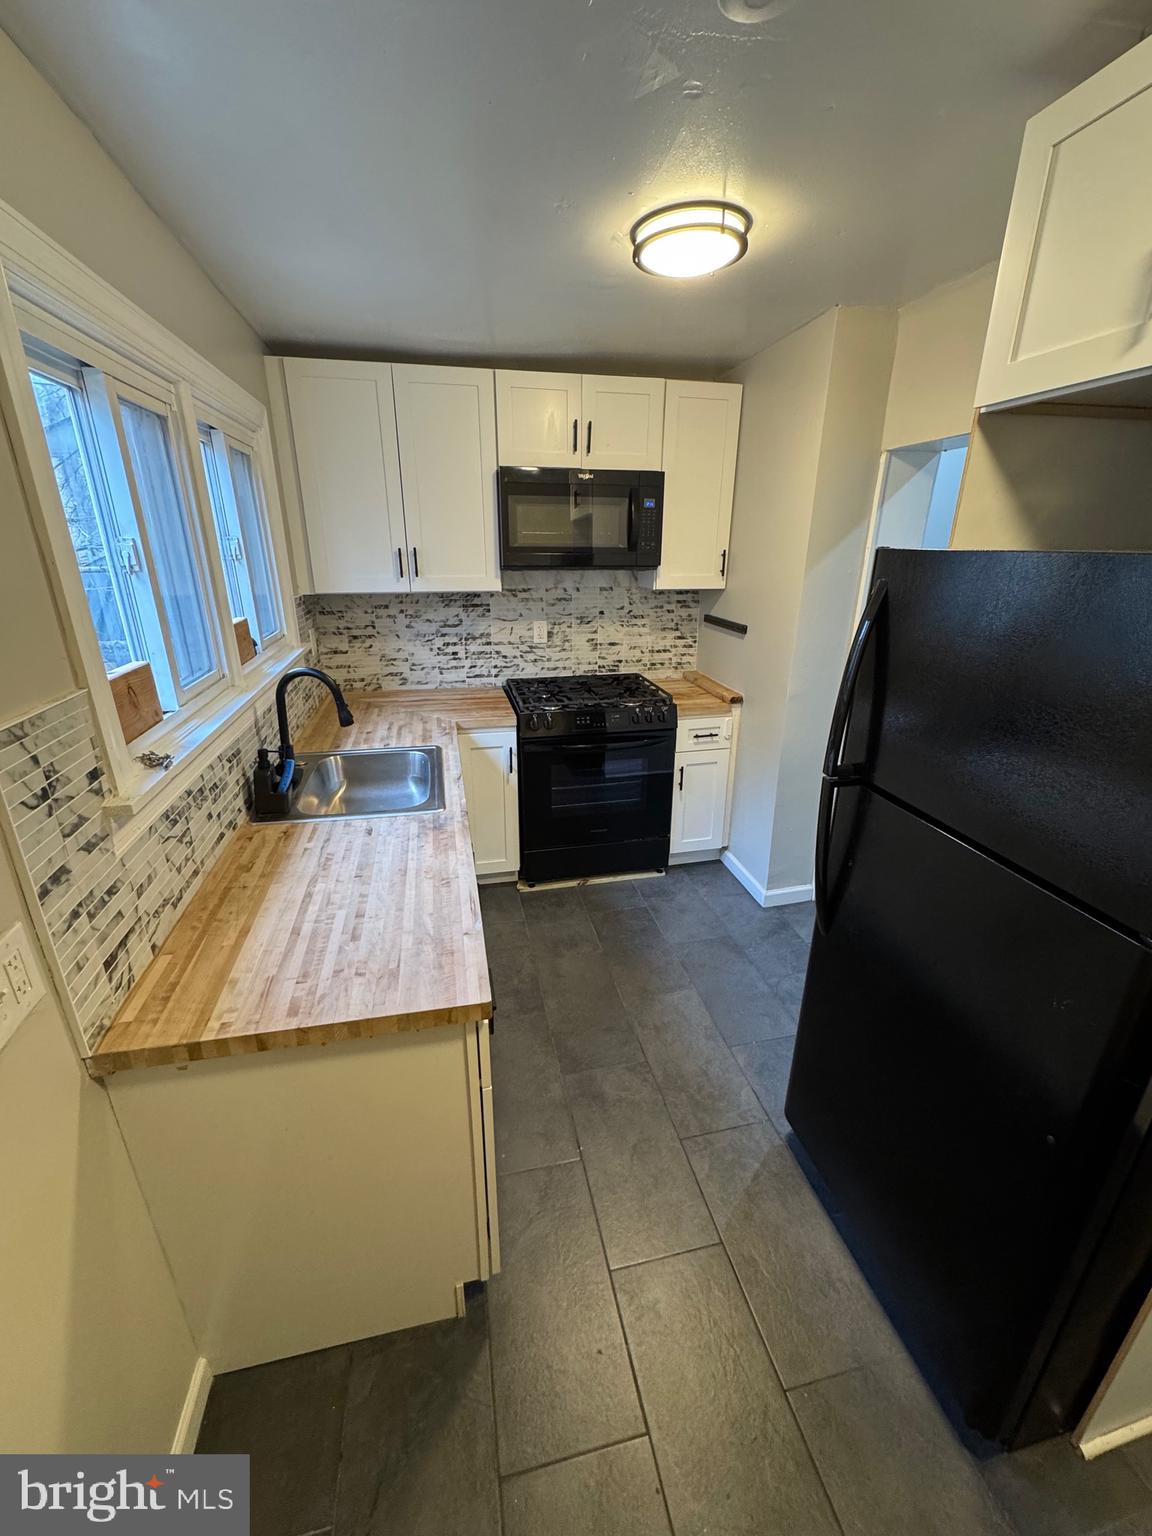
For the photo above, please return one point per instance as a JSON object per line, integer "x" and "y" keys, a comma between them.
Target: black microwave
{"x": 607, "y": 518}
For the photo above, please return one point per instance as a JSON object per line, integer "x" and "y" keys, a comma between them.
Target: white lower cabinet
{"x": 488, "y": 761}
{"x": 700, "y": 798}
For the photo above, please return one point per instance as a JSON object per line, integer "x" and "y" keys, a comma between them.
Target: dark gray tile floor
{"x": 679, "y": 1343}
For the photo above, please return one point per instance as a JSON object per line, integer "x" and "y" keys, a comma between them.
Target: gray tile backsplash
{"x": 109, "y": 906}
{"x": 597, "y": 621}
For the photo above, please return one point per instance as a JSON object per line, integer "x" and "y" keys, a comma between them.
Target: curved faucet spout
{"x": 343, "y": 713}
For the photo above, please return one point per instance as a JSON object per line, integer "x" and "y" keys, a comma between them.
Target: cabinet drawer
{"x": 699, "y": 734}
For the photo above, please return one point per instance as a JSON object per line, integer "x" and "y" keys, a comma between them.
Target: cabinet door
{"x": 1072, "y": 296}
{"x": 538, "y": 419}
{"x": 344, "y": 432}
{"x": 623, "y": 423}
{"x": 701, "y": 428}
{"x": 488, "y": 760}
{"x": 698, "y": 809}
{"x": 446, "y": 422}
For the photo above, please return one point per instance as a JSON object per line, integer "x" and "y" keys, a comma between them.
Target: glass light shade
{"x": 690, "y": 239}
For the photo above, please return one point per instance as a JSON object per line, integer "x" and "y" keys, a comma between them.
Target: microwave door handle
{"x": 632, "y": 495}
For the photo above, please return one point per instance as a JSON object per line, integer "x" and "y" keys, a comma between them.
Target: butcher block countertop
{"x": 488, "y": 709}
{"x": 306, "y": 933}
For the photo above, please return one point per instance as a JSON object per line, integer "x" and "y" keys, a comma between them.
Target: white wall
{"x": 939, "y": 343}
{"x": 57, "y": 175}
{"x": 785, "y": 387}
{"x": 96, "y": 1353}
{"x": 841, "y": 511}
{"x": 809, "y": 451}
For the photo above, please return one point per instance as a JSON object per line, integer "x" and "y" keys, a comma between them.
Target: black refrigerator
{"x": 972, "y": 1079}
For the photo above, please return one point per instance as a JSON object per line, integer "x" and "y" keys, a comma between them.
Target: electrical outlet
{"x": 21, "y": 984}
{"x": 540, "y": 632}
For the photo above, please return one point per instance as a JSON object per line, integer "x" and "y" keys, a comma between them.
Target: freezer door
{"x": 1008, "y": 696}
{"x": 970, "y": 1056}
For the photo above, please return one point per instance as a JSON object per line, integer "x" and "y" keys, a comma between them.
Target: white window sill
{"x": 197, "y": 736}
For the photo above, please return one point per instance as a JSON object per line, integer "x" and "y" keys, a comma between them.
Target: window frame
{"x": 57, "y": 304}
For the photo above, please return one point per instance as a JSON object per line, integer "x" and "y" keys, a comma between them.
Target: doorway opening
{"x": 916, "y": 499}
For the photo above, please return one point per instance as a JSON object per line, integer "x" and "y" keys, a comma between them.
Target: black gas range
{"x": 597, "y": 755}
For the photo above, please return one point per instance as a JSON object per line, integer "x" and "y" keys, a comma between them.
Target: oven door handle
{"x": 598, "y": 746}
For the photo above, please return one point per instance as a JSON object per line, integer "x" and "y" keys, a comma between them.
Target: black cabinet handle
{"x": 588, "y": 448}
{"x": 415, "y": 564}
{"x": 400, "y": 563}
{"x": 723, "y": 560}
{"x": 575, "y": 434}
{"x": 511, "y": 760}
{"x": 681, "y": 778}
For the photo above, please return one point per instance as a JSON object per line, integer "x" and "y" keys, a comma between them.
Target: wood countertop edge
{"x": 230, "y": 1047}
{"x": 710, "y": 685}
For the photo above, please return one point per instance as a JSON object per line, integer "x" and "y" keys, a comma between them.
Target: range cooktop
{"x": 591, "y": 704}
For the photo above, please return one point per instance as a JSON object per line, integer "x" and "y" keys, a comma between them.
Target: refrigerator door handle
{"x": 837, "y": 774}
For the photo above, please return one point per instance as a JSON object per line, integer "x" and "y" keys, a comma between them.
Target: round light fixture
{"x": 690, "y": 239}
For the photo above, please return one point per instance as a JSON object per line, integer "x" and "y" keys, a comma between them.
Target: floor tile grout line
{"x": 628, "y": 1352}
{"x": 560, "y": 1461}
{"x": 658, "y": 1258}
{"x": 495, "y": 1422}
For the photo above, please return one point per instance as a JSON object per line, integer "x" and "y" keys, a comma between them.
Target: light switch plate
{"x": 21, "y": 981}
{"x": 540, "y": 632}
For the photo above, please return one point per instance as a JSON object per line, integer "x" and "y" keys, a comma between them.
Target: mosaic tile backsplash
{"x": 108, "y": 913}
{"x": 598, "y": 621}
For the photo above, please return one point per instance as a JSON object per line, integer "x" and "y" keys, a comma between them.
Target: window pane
{"x": 171, "y": 539}
{"x": 231, "y": 550}
{"x": 96, "y": 544}
{"x": 255, "y": 544}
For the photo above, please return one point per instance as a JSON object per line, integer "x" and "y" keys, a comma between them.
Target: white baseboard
{"x": 780, "y": 896}
{"x": 1113, "y": 1439}
{"x": 788, "y": 895}
{"x": 195, "y": 1402}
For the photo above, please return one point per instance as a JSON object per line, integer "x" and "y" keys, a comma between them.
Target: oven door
{"x": 561, "y": 517}
{"x": 595, "y": 807}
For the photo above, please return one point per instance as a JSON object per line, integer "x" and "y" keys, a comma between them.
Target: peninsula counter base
{"x": 309, "y": 1197}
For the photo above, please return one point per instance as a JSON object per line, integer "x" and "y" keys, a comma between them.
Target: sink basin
{"x": 385, "y": 781}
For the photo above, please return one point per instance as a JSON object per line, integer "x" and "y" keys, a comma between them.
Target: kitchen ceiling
{"x": 458, "y": 177}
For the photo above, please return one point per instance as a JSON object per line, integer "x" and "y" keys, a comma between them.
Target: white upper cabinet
{"x": 1074, "y": 297}
{"x": 623, "y": 422}
{"x": 446, "y": 425}
{"x": 344, "y": 430}
{"x": 701, "y": 432}
{"x": 538, "y": 418}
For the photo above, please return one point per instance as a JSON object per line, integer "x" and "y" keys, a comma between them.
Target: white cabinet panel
{"x": 488, "y": 761}
{"x": 700, "y": 796}
{"x": 446, "y": 423}
{"x": 623, "y": 422}
{"x": 344, "y": 431}
{"x": 701, "y": 431}
{"x": 1072, "y": 298}
{"x": 538, "y": 418}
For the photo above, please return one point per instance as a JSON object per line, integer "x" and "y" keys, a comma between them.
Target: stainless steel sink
{"x": 385, "y": 781}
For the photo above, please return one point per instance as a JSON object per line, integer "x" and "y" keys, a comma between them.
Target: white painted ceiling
{"x": 457, "y": 177}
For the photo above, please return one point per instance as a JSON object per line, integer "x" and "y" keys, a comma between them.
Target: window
{"x": 151, "y": 550}
{"x": 242, "y": 533}
{"x": 105, "y": 560}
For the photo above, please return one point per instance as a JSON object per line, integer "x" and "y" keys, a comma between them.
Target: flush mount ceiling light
{"x": 690, "y": 239}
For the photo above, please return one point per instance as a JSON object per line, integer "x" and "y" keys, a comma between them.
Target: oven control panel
{"x": 618, "y": 721}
